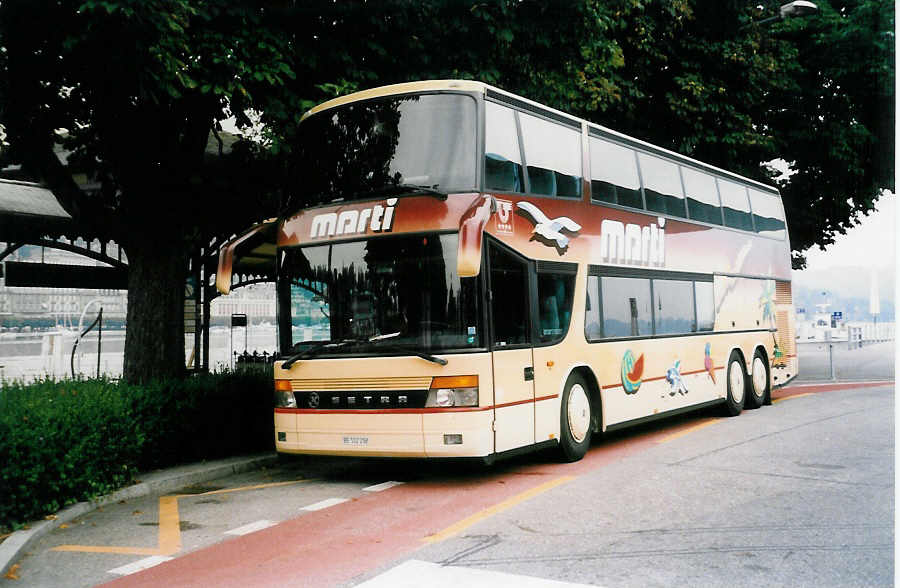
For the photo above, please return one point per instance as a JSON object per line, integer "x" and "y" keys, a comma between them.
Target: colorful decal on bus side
{"x": 547, "y": 229}
{"x": 673, "y": 377}
{"x": 767, "y": 301}
{"x": 632, "y": 371}
{"x": 708, "y": 364}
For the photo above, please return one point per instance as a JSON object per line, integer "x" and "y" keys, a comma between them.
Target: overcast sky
{"x": 870, "y": 244}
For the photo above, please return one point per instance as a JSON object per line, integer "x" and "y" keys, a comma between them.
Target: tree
{"x": 836, "y": 126}
{"x": 696, "y": 77}
{"x": 132, "y": 90}
{"x": 140, "y": 85}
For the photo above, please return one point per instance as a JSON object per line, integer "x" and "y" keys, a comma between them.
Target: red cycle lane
{"x": 334, "y": 545}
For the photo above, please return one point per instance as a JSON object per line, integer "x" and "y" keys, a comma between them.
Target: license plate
{"x": 356, "y": 441}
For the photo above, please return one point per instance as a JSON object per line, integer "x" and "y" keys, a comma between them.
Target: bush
{"x": 62, "y": 442}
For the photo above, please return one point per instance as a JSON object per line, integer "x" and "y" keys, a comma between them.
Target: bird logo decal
{"x": 708, "y": 364}
{"x": 550, "y": 229}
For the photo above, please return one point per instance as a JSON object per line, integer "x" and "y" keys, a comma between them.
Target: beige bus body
{"x": 520, "y": 390}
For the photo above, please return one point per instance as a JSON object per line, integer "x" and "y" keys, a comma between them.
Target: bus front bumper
{"x": 425, "y": 433}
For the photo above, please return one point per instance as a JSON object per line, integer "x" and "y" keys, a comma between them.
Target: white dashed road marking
{"x": 324, "y": 504}
{"x": 382, "y": 486}
{"x": 250, "y": 528}
{"x": 141, "y": 564}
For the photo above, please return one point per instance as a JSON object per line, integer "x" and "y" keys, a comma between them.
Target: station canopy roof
{"x": 27, "y": 209}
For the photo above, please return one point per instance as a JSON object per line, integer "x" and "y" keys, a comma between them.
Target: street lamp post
{"x": 791, "y": 10}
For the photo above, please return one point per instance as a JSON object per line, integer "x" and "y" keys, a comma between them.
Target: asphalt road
{"x": 800, "y": 493}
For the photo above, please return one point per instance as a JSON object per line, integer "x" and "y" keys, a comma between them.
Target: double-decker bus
{"x": 486, "y": 275}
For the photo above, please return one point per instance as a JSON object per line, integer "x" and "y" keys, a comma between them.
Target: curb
{"x": 154, "y": 483}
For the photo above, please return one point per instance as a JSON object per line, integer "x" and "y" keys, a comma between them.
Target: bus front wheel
{"x": 575, "y": 419}
{"x": 736, "y": 386}
{"x": 759, "y": 388}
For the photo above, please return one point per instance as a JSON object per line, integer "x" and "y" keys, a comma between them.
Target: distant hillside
{"x": 848, "y": 282}
{"x": 847, "y": 290}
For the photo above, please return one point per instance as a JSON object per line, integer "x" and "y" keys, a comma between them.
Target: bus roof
{"x": 525, "y": 103}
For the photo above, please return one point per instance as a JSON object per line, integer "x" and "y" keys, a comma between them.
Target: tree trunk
{"x": 154, "y": 336}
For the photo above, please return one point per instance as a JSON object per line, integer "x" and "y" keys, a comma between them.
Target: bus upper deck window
{"x": 553, "y": 157}
{"x": 768, "y": 216}
{"x": 735, "y": 205}
{"x": 662, "y": 185}
{"x": 702, "y": 196}
{"x": 614, "y": 175}
{"x": 502, "y": 157}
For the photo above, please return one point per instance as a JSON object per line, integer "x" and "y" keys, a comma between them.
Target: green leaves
{"x": 72, "y": 440}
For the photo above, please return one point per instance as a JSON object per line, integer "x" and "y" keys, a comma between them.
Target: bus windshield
{"x": 378, "y": 295}
{"x": 422, "y": 140}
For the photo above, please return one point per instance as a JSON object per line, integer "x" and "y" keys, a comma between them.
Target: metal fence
{"x": 847, "y": 360}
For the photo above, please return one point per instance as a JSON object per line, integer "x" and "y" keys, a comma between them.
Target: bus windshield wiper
{"x": 313, "y": 350}
{"x": 400, "y": 190}
{"x": 422, "y": 354}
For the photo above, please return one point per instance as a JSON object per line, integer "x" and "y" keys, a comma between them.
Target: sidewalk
{"x": 158, "y": 482}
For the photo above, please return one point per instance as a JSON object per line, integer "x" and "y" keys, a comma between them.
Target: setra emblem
{"x": 314, "y": 400}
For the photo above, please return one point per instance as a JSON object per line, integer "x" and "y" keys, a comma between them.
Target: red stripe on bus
{"x": 518, "y": 402}
{"x": 381, "y": 411}
{"x": 656, "y": 379}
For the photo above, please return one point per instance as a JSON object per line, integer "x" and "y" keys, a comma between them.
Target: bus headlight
{"x": 284, "y": 395}
{"x": 452, "y": 391}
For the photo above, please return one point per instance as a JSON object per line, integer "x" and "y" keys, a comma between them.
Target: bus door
{"x": 513, "y": 363}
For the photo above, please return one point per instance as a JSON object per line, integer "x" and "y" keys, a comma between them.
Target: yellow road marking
{"x": 169, "y": 540}
{"x": 481, "y": 515}
{"x": 777, "y": 400}
{"x": 169, "y": 525}
{"x": 684, "y": 432}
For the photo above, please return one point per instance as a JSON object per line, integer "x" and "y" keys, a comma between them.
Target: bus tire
{"x": 759, "y": 381}
{"x": 736, "y": 385}
{"x": 575, "y": 419}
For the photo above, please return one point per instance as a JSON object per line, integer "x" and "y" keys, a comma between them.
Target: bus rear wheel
{"x": 575, "y": 419}
{"x": 736, "y": 386}
{"x": 759, "y": 382}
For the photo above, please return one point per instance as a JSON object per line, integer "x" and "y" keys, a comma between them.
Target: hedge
{"x": 66, "y": 441}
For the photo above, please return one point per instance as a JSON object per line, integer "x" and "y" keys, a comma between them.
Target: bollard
{"x": 830, "y": 354}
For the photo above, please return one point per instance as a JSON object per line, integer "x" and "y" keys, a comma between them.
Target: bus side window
{"x": 614, "y": 175}
{"x": 502, "y": 157}
{"x": 673, "y": 307}
{"x": 702, "y": 196}
{"x": 735, "y": 205}
{"x": 768, "y": 216}
{"x": 706, "y": 305}
{"x": 552, "y": 156}
{"x": 593, "y": 329}
{"x": 626, "y": 307}
{"x": 662, "y": 185}
{"x": 555, "y": 293}
{"x": 509, "y": 298}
